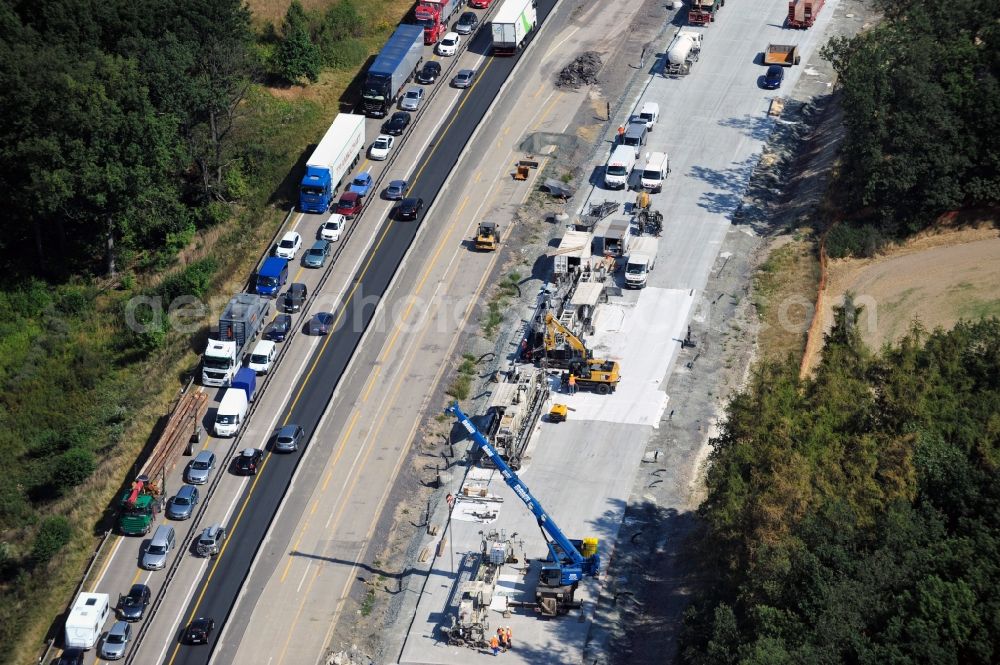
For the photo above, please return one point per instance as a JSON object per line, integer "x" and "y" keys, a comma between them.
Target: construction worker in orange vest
{"x": 510, "y": 637}
{"x": 495, "y": 645}
{"x": 572, "y": 384}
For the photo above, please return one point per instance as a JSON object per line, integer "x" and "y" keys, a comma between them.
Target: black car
{"x": 278, "y": 330}
{"x": 248, "y": 461}
{"x": 133, "y": 605}
{"x": 199, "y": 630}
{"x": 772, "y": 79}
{"x": 397, "y": 123}
{"x": 295, "y": 297}
{"x": 410, "y": 208}
{"x": 320, "y": 323}
{"x": 429, "y": 72}
{"x": 71, "y": 657}
{"x": 467, "y": 23}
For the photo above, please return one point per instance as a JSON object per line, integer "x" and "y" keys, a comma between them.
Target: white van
{"x": 619, "y": 167}
{"x": 86, "y": 620}
{"x": 655, "y": 171}
{"x": 262, "y": 356}
{"x": 649, "y": 114}
{"x": 232, "y": 412}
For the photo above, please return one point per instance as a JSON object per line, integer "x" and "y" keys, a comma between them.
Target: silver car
{"x": 464, "y": 78}
{"x": 200, "y": 468}
{"x": 116, "y": 640}
{"x": 288, "y": 439}
{"x": 412, "y": 99}
{"x": 181, "y": 506}
{"x": 316, "y": 256}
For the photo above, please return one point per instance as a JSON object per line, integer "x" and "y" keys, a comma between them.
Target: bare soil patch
{"x": 784, "y": 293}
{"x": 937, "y": 279}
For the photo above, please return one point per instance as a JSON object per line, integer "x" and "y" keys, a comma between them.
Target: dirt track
{"x": 936, "y": 279}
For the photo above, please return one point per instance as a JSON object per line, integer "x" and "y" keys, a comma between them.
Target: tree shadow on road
{"x": 729, "y": 183}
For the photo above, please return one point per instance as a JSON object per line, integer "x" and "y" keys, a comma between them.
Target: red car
{"x": 349, "y": 205}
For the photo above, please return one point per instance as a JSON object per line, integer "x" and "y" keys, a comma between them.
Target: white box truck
{"x": 512, "y": 24}
{"x": 86, "y": 620}
{"x": 334, "y": 157}
{"x": 640, "y": 261}
{"x": 654, "y": 172}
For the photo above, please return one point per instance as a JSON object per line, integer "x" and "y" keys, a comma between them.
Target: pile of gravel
{"x": 582, "y": 71}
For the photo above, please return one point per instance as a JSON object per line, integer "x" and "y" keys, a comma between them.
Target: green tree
{"x": 297, "y": 56}
{"x": 52, "y": 537}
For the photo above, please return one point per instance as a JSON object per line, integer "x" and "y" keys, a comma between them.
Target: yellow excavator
{"x": 565, "y": 350}
{"x": 488, "y": 237}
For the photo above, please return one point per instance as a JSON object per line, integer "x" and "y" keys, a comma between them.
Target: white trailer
{"x": 334, "y": 157}
{"x": 683, "y": 52}
{"x": 512, "y": 24}
{"x": 86, "y": 620}
{"x": 641, "y": 261}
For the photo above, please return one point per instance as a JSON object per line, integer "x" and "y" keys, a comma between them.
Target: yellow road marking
{"x": 371, "y": 383}
{"x": 298, "y": 395}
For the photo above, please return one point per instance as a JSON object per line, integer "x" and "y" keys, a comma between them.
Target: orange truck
{"x": 802, "y": 13}
{"x": 785, "y": 55}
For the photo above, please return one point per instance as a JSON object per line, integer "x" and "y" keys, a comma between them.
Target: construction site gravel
{"x": 644, "y": 589}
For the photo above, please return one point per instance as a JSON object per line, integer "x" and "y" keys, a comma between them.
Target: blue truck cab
{"x": 316, "y": 191}
{"x": 272, "y": 276}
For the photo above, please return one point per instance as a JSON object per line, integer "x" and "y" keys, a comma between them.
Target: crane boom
{"x": 571, "y": 564}
{"x": 554, "y": 327}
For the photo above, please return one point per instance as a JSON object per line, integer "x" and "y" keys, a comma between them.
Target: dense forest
{"x": 921, "y": 100}
{"x": 142, "y": 153}
{"x": 854, "y": 517}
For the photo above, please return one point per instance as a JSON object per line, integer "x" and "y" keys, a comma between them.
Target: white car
{"x": 262, "y": 356}
{"x": 288, "y": 246}
{"x": 381, "y": 147}
{"x": 331, "y": 228}
{"x": 449, "y": 44}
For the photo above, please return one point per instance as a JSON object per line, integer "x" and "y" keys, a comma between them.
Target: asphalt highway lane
{"x": 216, "y": 593}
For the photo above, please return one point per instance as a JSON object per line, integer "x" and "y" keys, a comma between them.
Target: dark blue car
{"x": 773, "y": 77}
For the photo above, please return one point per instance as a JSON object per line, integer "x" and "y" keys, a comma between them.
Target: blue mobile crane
{"x": 569, "y": 561}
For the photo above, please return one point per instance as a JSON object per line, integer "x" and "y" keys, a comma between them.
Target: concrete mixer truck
{"x": 683, "y": 52}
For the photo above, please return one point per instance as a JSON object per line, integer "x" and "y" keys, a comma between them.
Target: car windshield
{"x": 382, "y": 143}
{"x": 312, "y": 191}
{"x": 616, "y": 170}
{"x": 316, "y": 251}
{"x": 258, "y": 358}
{"x": 287, "y": 244}
{"x": 157, "y": 549}
{"x": 651, "y": 175}
{"x": 222, "y": 420}
{"x": 199, "y": 464}
{"x": 182, "y": 501}
{"x": 115, "y": 638}
{"x": 333, "y": 226}
{"x": 267, "y": 281}
{"x": 635, "y": 268}
{"x": 360, "y": 180}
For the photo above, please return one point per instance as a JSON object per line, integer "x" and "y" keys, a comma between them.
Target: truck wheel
{"x": 603, "y": 389}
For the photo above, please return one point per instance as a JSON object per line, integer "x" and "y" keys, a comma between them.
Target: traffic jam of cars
{"x": 342, "y": 200}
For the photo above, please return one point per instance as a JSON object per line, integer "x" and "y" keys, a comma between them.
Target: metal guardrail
{"x": 196, "y": 522}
